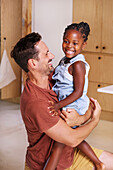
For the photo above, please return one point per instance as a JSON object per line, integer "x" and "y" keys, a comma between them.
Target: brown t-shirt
{"x": 37, "y": 119}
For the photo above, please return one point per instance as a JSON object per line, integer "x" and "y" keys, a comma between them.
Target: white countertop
{"x": 107, "y": 89}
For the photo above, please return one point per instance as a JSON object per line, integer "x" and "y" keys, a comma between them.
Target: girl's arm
{"x": 77, "y": 70}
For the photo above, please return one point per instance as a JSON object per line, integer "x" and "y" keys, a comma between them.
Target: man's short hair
{"x": 25, "y": 50}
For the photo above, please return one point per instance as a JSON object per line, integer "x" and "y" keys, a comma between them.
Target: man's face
{"x": 44, "y": 58}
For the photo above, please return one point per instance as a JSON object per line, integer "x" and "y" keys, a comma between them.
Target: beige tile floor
{"x": 13, "y": 139}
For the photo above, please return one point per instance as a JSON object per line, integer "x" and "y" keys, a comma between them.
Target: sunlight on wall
{"x": 50, "y": 19}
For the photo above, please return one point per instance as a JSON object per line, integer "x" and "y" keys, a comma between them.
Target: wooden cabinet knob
{"x": 103, "y": 48}
{"x": 97, "y": 47}
{"x": 99, "y": 58}
{"x": 98, "y": 85}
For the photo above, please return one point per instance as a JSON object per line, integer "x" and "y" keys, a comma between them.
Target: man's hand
{"x": 96, "y": 110}
{"x": 72, "y": 118}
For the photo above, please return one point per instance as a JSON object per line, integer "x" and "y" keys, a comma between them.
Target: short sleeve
{"x": 40, "y": 115}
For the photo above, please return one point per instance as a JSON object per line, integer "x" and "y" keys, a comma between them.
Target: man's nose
{"x": 51, "y": 56}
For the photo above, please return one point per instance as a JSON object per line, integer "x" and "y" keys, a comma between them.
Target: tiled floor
{"x": 13, "y": 139}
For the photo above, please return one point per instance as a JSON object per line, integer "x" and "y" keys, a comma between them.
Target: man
{"x": 33, "y": 56}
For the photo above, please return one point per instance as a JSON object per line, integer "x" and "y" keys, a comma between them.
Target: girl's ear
{"x": 84, "y": 45}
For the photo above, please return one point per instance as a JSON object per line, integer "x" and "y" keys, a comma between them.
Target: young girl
{"x": 71, "y": 76}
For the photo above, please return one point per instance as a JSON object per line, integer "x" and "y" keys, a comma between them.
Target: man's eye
{"x": 47, "y": 52}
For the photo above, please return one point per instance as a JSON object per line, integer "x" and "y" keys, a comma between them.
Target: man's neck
{"x": 39, "y": 80}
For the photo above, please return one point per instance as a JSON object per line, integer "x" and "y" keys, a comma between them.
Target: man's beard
{"x": 51, "y": 69}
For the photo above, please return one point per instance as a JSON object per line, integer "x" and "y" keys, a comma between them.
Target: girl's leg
{"x": 87, "y": 150}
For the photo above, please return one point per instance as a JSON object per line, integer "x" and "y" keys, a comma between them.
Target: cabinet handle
{"x": 104, "y": 48}
{"x": 98, "y": 85}
{"x": 99, "y": 58}
{"x": 97, "y": 47}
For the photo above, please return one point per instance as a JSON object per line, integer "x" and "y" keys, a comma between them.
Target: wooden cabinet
{"x": 11, "y": 28}
{"x": 99, "y": 15}
{"x": 105, "y": 100}
{"x": 15, "y": 23}
{"x": 99, "y": 50}
{"x": 101, "y": 67}
{"x": 107, "y": 26}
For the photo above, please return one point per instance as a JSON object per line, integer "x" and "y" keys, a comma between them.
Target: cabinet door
{"x": 26, "y": 26}
{"x": 90, "y": 11}
{"x": 101, "y": 67}
{"x": 105, "y": 100}
{"x": 107, "y": 27}
{"x": 11, "y": 28}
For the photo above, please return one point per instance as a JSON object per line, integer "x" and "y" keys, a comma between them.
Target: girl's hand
{"x": 53, "y": 107}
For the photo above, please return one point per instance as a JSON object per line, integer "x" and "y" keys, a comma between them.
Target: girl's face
{"x": 73, "y": 43}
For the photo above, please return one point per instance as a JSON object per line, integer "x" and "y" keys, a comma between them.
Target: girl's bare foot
{"x": 100, "y": 166}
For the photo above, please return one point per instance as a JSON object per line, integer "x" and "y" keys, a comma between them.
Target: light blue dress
{"x": 64, "y": 84}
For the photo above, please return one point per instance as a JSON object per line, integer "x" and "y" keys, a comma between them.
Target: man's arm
{"x": 62, "y": 133}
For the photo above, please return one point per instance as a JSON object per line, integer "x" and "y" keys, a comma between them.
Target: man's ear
{"x": 32, "y": 62}
{"x": 84, "y": 45}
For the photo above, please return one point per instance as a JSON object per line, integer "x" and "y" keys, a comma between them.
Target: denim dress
{"x": 64, "y": 84}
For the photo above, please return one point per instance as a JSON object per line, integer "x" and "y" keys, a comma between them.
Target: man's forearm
{"x": 69, "y": 136}
{"x": 84, "y": 118}
{"x": 62, "y": 133}
{"x": 84, "y": 131}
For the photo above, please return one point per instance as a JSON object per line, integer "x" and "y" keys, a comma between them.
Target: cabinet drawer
{"x": 101, "y": 67}
{"x": 105, "y": 100}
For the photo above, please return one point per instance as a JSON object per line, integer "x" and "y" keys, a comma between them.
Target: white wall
{"x": 50, "y": 17}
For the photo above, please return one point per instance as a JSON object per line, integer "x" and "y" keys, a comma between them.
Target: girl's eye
{"x": 65, "y": 41}
{"x": 75, "y": 43}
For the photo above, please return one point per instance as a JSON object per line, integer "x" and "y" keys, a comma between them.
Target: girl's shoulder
{"x": 79, "y": 57}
